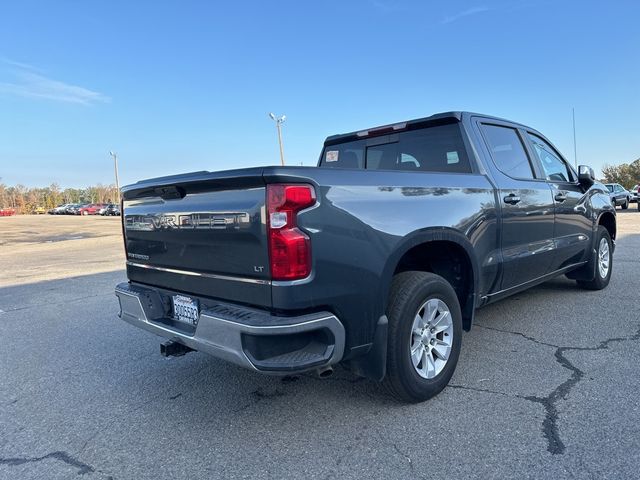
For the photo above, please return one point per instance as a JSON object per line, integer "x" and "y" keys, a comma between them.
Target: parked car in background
{"x": 39, "y": 211}
{"x": 59, "y": 210}
{"x": 619, "y": 195}
{"x": 635, "y": 193}
{"x": 111, "y": 210}
{"x": 7, "y": 212}
{"x": 72, "y": 208}
{"x": 90, "y": 209}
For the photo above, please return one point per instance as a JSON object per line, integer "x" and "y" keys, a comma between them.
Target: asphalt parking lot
{"x": 547, "y": 385}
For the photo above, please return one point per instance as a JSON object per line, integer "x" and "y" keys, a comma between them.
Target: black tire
{"x": 625, "y": 205}
{"x": 409, "y": 291}
{"x": 599, "y": 282}
{"x": 639, "y": 204}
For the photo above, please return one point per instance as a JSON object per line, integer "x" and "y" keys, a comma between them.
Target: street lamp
{"x": 115, "y": 166}
{"x": 279, "y": 121}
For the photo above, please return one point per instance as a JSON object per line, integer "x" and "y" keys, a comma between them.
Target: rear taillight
{"x": 289, "y": 247}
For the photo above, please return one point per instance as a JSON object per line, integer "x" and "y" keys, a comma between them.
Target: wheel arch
{"x": 416, "y": 252}
{"x": 608, "y": 220}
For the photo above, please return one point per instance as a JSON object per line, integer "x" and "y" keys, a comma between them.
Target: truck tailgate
{"x": 201, "y": 233}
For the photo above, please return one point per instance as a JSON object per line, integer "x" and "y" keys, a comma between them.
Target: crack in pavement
{"x": 550, "y": 428}
{"x": 149, "y": 401}
{"x": 259, "y": 395}
{"x": 483, "y": 390}
{"x": 405, "y": 455}
{"x": 348, "y": 449}
{"x": 64, "y": 457}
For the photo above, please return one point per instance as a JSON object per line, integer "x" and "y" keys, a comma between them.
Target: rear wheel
{"x": 425, "y": 330}
{"x": 604, "y": 262}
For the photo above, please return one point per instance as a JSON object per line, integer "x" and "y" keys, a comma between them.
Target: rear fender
{"x": 430, "y": 235}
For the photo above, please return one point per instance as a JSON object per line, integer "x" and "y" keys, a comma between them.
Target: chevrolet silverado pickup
{"x": 375, "y": 259}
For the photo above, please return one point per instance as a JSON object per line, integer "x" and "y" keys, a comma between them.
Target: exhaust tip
{"x": 324, "y": 372}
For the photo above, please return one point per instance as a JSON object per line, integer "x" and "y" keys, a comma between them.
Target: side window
{"x": 555, "y": 169}
{"x": 507, "y": 151}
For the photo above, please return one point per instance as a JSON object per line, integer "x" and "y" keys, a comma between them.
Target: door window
{"x": 555, "y": 169}
{"x": 508, "y": 151}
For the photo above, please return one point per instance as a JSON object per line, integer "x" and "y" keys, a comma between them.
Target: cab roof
{"x": 433, "y": 120}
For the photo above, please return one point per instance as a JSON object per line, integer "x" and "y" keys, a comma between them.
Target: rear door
{"x": 573, "y": 225}
{"x": 527, "y": 206}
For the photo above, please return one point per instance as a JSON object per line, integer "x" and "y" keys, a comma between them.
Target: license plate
{"x": 185, "y": 310}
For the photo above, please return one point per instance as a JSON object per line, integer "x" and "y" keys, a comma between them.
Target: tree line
{"x": 26, "y": 199}
{"x": 626, "y": 174}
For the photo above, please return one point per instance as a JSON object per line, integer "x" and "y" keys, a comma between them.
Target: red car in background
{"x": 6, "y": 212}
{"x": 91, "y": 209}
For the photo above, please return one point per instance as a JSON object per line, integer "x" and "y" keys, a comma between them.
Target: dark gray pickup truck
{"x": 376, "y": 259}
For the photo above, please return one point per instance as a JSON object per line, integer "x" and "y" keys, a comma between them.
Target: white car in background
{"x": 59, "y": 210}
{"x": 619, "y": 195}
{"x": 635, "y": 193}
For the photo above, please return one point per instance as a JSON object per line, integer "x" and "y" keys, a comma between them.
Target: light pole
{"x": 575, "y": 150}
{"x": 115, "y": 166}
{"x": 279, "y": 121}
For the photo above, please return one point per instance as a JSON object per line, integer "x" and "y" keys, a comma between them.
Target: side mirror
{"x": 586, "y": 177}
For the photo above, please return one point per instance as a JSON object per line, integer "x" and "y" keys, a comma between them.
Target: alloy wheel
{"x": 431, "y": 338}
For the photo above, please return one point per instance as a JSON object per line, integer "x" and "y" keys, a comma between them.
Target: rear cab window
{"x": 432, "y": 149}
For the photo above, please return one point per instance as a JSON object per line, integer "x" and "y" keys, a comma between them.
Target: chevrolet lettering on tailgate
{"x": 185, "y": 221}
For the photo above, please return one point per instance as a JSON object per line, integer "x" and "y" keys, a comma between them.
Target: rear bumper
{"x": 251, "y": 338}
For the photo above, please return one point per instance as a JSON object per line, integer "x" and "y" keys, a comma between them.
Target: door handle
{"x": 511, "y": 199}
{"x": 560, "y": 197}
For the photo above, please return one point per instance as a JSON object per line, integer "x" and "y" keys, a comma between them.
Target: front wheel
{"x": 625, "y": 205}
{"x": 604, "y": 262}
{"x": 425, "y": 335}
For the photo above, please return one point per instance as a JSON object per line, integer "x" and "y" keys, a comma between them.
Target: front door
{"x": 573, "y": 226}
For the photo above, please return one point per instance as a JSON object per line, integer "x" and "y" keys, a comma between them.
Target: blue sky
{"x": 180, "y": 86}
